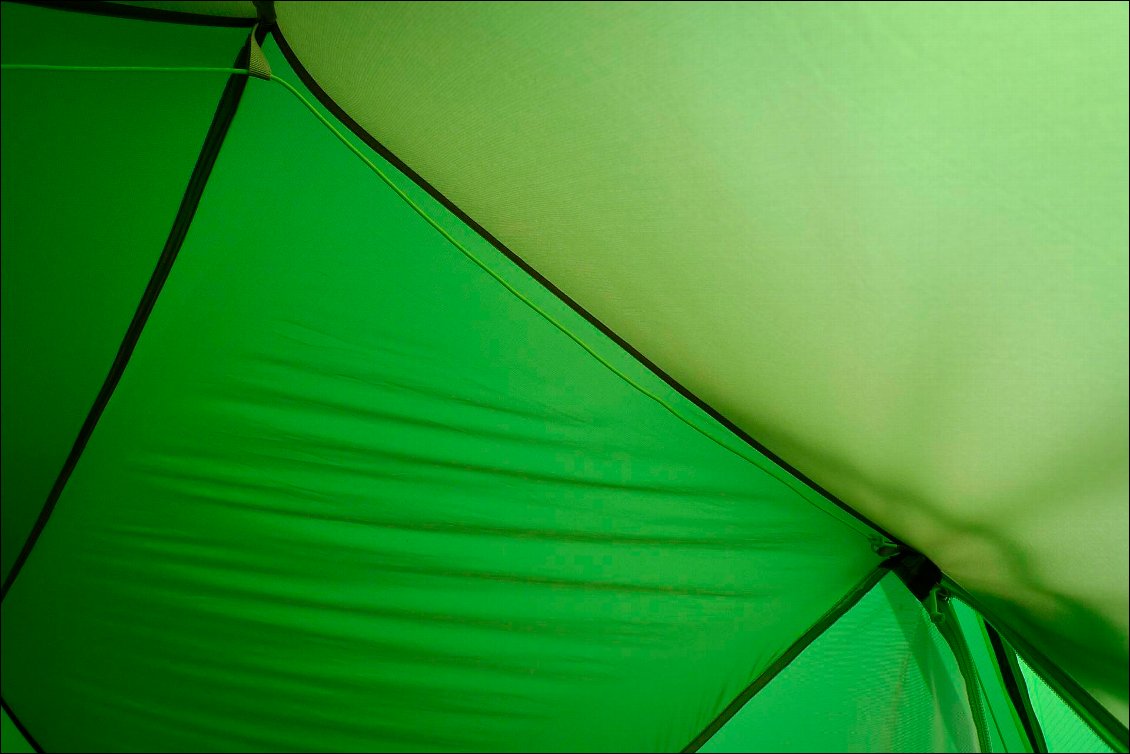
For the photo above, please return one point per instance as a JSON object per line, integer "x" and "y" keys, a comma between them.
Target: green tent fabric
{"x": 12, "y": 738}
{"x": 888, "y": 241}
{"x": 564, "y": 377}
{"x": 883, "y": 678}
{"x": 1011, "y": 722}
{"x": 1061, "y": 727}
{"x": 78, "y": 247}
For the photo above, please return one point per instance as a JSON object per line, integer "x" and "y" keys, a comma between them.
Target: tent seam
{"x": 213, "y": 140}
{"x": 1105, "y": 725}
{"x": 790, "y": 472}
{"x": 20, "y": 726}
{"x": 794, "y": 650}
{"x": 788, "y": 481}
{"x": 766, "y": 465}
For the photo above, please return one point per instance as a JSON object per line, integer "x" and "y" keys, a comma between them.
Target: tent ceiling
{"x": 888, "y": 241}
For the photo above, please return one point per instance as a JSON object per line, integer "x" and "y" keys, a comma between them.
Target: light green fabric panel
{"x": 11, "y": 740}
{"x": 1063, "y": 730}
{"x": 887, "y": 239}
{"x": 880, "y": 679}
{"x": 352, "y": 494}
{"x": 1001, "y": 718}
{"x": 94, "y": 167}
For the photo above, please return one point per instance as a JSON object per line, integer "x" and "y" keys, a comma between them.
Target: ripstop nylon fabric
{"x": 200, "y": 552}
{"x": 345, "y": 464}
{"x": 888, "y": 240}
{"x": 86, "y": 209}
{"x": 1062, "y": 728}
{"x": 1004, "y": 723}
{"x": 882, "y": 678}
{"x": 11, "y": 738}
{"x": 222, "y": 8}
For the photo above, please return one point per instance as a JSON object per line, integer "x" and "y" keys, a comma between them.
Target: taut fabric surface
{"x": 353, "y": 494}
{"x": 888, "y": 240}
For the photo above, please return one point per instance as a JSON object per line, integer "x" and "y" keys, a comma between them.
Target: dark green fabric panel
{"x": 880, "y": 679}
{"x": 352, "y": 494}
{"x": 11, "y": 740}
{"x": 94, "y": 167}
{"x": 1063, "y": 730}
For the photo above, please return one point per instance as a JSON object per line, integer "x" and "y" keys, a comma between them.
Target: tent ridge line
{"x": 369, "y": 140}
{"x": 837, "y": 611}
{"x": 141, "y": 13}
{"x": 206, "y": 159}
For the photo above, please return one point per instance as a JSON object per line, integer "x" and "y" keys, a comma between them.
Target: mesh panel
{"x": 880, "y": 679}
{"x": 1063, "y": 729}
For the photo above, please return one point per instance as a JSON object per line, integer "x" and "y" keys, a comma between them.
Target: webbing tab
{"x": 257, "y": 63}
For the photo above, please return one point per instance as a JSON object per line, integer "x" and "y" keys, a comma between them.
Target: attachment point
{"x": 257, "y": 64}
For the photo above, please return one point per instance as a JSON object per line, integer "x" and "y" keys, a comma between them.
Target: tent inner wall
{"x": 881, "y": 679}
{"x": 345, "y": 464}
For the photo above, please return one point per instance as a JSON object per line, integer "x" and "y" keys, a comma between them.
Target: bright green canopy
{"x": 889, "y": 241}
{"x": 443, "y": 437}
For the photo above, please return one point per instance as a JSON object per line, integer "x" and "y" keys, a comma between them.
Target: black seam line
{"x": 265, "y": 11}
{"x": 371, "y": 141}
{"x": 221, "y": 120}
{"x": 20, "y": 726}
{"x": 1105, "y": 725}
{"x": 847, "y": 602}
{"x": 1017, "y": 694}
{"x": 141, "y": 13}
{"x": 919, "y": 574}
